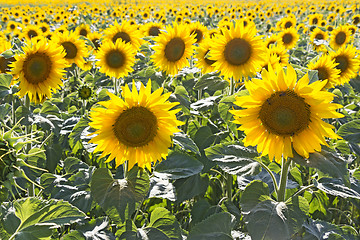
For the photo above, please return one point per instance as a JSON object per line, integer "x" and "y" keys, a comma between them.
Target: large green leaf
{"x": 234, "y": 159}
{"x": 327, "y": 162}
{"x": 163, "y": 226}
{"x": 94, "y": 229}
{"x": 178, "y": 165}
{"x": 187, "y": 188}
{"x": 38, "y": 217}
{"x": 267, "y": 219}
{"x": 211, "y": 81}
{"x": 336, "y": 187}
{"x": 49, "y": 108}
{"x": 5, "y": 80}
{"x": 164, "y": 221}
{"x": 204, "y": 137}
{"x": 118, "y": 197}
{"x": 321, "y": 230}
{"x": 162, "y": 188}
{"x": 217, "y": 226}
{"x": 256, "y": 192}
{"x": 185, "y": 142}
{"x": 350, "y": 131}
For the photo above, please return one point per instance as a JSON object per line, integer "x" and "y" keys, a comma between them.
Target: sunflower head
{"x": 202, "y": 55}
{"x": 39, "y": 69}
{"x": 289, "y": 37}
{"x": 281, "y": 114}
{"x": 340, "y": 37}
{"x": 327, "y": 70}
{"x": 115, "y": 60}
{"x": 173, "y": 48}
{"x": 238, "y": 52}
{"x": 137, "y": 127}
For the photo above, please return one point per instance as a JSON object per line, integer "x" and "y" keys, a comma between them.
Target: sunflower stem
{"x": 229, "y": 183}
{"x": 232, "y": 86}
{"x": 115, "y": 85}
{"x": 285, "y": 164}
{"x": 270, "y": 173}
{"x": 28, "y": 127}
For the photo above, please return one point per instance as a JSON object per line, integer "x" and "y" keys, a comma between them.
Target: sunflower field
{"x": 198, "y": 120}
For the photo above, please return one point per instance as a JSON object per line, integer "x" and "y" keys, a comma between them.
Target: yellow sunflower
{"x": 271, "y": 59}
{"x": 152, "y": 29}
{"x": 340, "y": 36}
{"x": 95, "y": 37}
{"x": 347, "y": 63}
{"x": 40, "y": 69}
{"x": 288, "y": 37}
{"x": 282, "y": 114}
{"x": 327, "y": 70}
{"x": 30, "y": 32}
{"x": 5, "y": 62}
{"x": 238, "y": 53}
{"x": 280, "y": 52}
{"x": 198, "y": 30}
{"x": 271, "y": 40}
{"x": 75, "y": 48}
{"x": 173, "y": 48}
{"x": 125, "y": 32}
{"x": 203, "y": 61}
{"x": 115, "y": 60}
{"x": 83, "y": 30}
{"x": 136, "y": 128}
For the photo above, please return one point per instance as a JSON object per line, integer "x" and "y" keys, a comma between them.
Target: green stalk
{"x": 285, "y": 164}
{"x": 115, "y": 85}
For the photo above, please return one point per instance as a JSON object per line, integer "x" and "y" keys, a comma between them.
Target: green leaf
{"x": 256, "y": 192}
{"x": 5, "y": 80}
{"x": 162, "y": 188}
{"x": 23, "y": 112}
{"x": 75, "y": 135}
{"x": 119, "y": 196}
{"x": 276, "y": 220}
{"x": 191, "y": 187}
{"x": 318, "y": 200}
{"x": 49, "y": 108}
{"x": 327, "y": 162}
{"x": 350, "y": 131}
{"x": 336, "y": 187}
{"x": 211, "y": 81}
{"x": 217, "y": 226}
{"x": 317, "y": 229}
{"x": 72, "y": 164}
{"x": 164, "y": 221}
{"x": 234, "y": 159}
{"x": 38, "y": 217}
{"x": 37, "y": 159}
{"x": 94, "y": 229}
{"x": 204, "y": 137}
{"x": 313, "y": 76}
{"x": 185, "y": 142}
{"x": 178, "y": 165}
{"x": 204, "y": 104}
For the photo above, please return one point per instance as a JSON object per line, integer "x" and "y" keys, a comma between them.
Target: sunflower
{"x": 75, "y": 48}
{"x": 282, "y": 114}
{"x": 12, "y": 26}
{"x": 83, "y": 30}
{"x": 271, "y": 59}
{"x": 95, "y": 37}
{"x": 31, "y": 32}
{"x": 136, "y": 128}
{"x": 356, "y": 19}
{"x": 5, "y": 62}
{"x": 152, "y": 29}
{"x": 238, "y": 53}
{"x": 314, "y": 19}
{"x": 316, "y": 38}
{"x": 289, "y": 37}
{"x": 115, "y": 60}
{"x": 198, "y": 30}
{"x": 203, "y": 61}
{"x": 173, "y": 48}
{"x": 271, "y": 40}
{"x": 327, "y": 70}
{"x": 340, "y": 36}
{"x": 280, "y": 52}
{"x": 346, "y": 63}
{"x": 125, "y": 32}
{"x": 40, "y": 69}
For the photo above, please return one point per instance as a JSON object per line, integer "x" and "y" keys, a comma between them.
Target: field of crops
{"x": 199, "y": 120}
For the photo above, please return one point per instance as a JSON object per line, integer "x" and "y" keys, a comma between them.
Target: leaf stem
{"x": 270, "y": 173}
{"x": 285, "y": 164}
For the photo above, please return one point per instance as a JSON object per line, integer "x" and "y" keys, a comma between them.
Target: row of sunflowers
{"x": 157, "y": 120}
